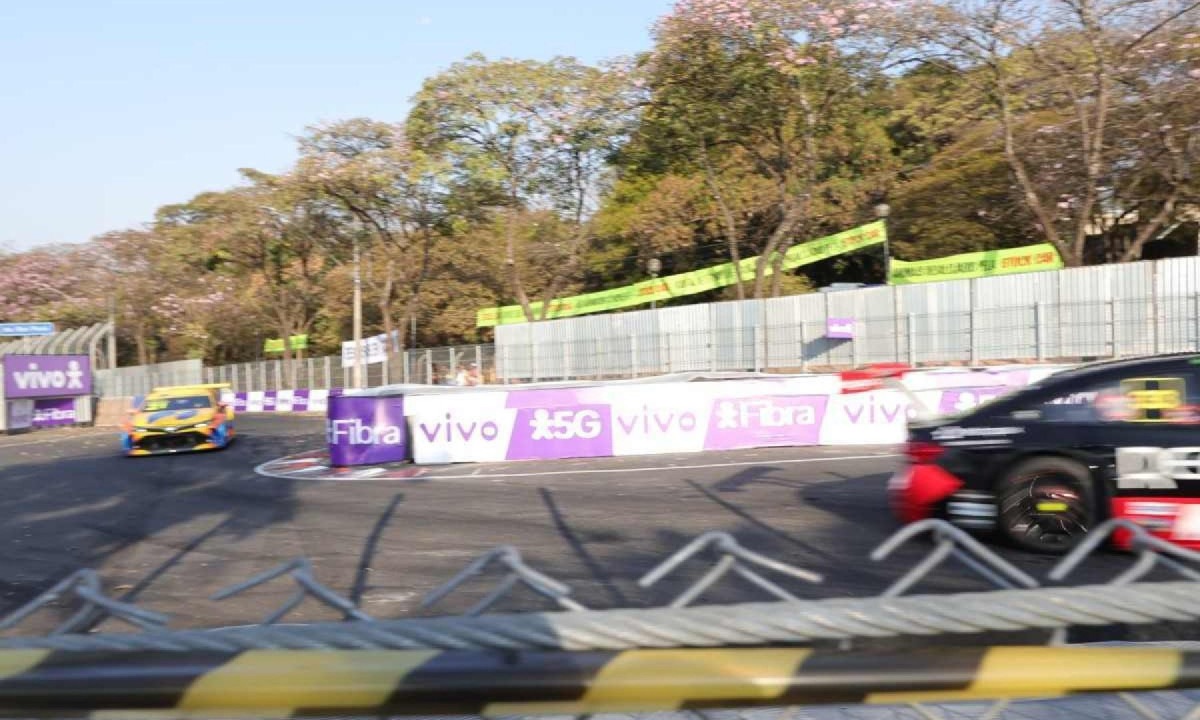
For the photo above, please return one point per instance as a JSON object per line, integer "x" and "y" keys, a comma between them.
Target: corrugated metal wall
{"x": 140, "y": 379}
{"x": 1103, "y": 311}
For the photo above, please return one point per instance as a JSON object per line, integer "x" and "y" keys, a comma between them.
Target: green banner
{"x": 988, "y": 263}
{"x": 688, "y": 283}
{"x": 275, "y": 345}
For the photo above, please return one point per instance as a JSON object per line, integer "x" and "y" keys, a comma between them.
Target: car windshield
{"x": 190, "y": 402}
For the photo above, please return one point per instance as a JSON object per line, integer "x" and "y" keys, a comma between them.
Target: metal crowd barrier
{"x": 680, "y": 657}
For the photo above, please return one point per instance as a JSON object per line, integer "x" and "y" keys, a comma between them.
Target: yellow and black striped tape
{"x": 291, "y": 683}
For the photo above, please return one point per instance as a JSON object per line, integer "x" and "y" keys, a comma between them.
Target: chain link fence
{"x": 428, "y": 366}
{"x": 141, "y": 379}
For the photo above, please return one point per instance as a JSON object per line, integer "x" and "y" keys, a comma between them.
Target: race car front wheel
{"x": 1046, "y": 504}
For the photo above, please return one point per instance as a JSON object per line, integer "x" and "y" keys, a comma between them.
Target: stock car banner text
{"x": 689, "y": 283}
{"x": 988, "y": 263}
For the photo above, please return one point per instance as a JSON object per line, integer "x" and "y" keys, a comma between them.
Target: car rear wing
{"x": 199, "y": 386}
{"x": 886, "y": 376}
{"x": 918, "y": 410}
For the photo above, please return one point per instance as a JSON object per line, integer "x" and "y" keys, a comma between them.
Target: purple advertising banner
{"x": 47, "y": 375}
{"x": 839, "y": 328}
{"x": 366, "y": 430}
{"x": 767, "y": 420}
{"x": 561, "y": 432}
{"x": 52, "y": 412}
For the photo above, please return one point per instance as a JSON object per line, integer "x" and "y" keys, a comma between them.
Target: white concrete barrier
{"x": 672, "y": 416}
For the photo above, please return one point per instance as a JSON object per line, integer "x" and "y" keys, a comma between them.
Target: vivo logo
{"x": 565, "y": 424}
{"x": 33, "y": 379}
{"x": 661, "y": 421}
{"x": 733, "y": 414}
{"x": 875, "y": 413}
{"x": 356, "y": 432}
{"x": 450, "y": 430}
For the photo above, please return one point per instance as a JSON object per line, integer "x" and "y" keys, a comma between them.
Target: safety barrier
{"x": 318, "y": 683}
{"x": 690, "y": 412}
{"x": 256, "y": 401}
{"x": 581, "y": 661}
{"x": 112, "y": 411}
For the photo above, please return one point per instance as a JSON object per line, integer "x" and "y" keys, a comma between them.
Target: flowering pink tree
{"x": 45, "y": 284}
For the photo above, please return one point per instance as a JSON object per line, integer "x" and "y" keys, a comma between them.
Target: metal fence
{"x": 432, "y": 366}
{"x": 140, "y": 379}
{"x": 836, "y": 653}
{"x": 1081, "y": 313}
{"x": 96, "y": 341}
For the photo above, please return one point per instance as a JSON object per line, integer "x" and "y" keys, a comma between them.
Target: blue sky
{"x": 110, "y": 109}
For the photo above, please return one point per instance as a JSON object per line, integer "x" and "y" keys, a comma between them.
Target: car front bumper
{"x": 141, "y": 444}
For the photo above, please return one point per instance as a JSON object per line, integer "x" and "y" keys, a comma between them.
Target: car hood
{"x": 172, "y": 418}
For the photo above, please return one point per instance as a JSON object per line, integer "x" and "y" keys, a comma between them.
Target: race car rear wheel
{"x": 1046, "y": 504}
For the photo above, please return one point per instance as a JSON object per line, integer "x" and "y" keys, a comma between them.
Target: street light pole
{"x": 358, "y": 348}
{"x": 882, "y": 210}
{"x": 112, "y": 333}
{"x": 654, "y": 267}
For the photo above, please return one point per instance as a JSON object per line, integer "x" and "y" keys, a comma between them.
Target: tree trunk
{"x": 1072, "y": 253}
{"x": 384, "y": 303}
{"x": 289, "y": 370}
{"x": 768, "y": 260}
{"x": 574, "y": 251}
{"x": 510, "y": 260}
{"x": 777, "y": 267}
{"x": 139, "y": 338}
{"x": 286, "y": 327}
{"x": 727, "y": 219}
{"x": 1148, "y": 231}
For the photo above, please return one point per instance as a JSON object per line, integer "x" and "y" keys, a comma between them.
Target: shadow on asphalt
{"x": 385, "y": 548}
{"x": 63, "y": 514}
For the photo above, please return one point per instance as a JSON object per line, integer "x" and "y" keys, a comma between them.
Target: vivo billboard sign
{"x": 27, "y": 376}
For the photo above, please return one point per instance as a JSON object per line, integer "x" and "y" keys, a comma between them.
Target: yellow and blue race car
{"x": 179, "y": 419}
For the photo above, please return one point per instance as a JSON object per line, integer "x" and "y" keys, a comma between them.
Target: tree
{"x": 954, "y": 193}
{"x": 45, "y": 284}
{"x": 272, "y": 234}
{"x": 784, "y": 86}
{"x": 521, "y": 136}
{"x": 1081, "y": 91}
{"x": 393, "y": 193}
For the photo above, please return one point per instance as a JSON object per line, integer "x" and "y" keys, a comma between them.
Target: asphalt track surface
{"x": 167, "y": 532}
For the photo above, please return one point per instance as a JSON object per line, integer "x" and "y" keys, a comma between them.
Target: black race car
{"x": 1042, "y": 465}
